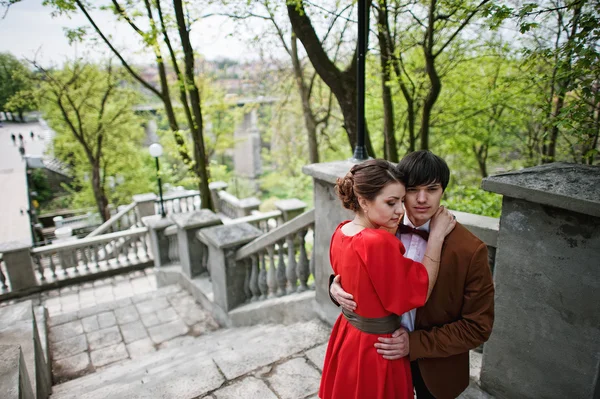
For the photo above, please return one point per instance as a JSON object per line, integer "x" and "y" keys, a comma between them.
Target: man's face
{"x": 422, "y": 202}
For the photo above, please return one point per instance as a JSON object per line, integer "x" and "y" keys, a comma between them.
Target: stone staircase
{"x": 163, "y": 344}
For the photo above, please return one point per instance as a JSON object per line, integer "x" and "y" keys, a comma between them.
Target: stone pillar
{"x": 19, "y": 265}
{"x": 145, "y": 204}
{"x": 247, "y": 205}
{"x": 158, "y": 242}
{"x": 290, "y": 208}
{"x": 227, "y": 275}
{"x": 546, "y": 337}
{"x": 214, "y": 188}
{"x": 246, "y": 156}
{"x": 191, "y": 252}
{"x": 329, "y": 213}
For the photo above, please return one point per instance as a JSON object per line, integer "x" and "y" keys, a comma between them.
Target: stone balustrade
{"x": 180, "y": 202}
{"x": 277, "y": 263}
{"x": 114, "y": 250}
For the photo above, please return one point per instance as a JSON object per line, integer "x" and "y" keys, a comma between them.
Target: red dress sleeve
{"x": 400, "y": 283}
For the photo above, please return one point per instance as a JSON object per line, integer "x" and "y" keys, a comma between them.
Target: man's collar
{"x": 425, "y": 226}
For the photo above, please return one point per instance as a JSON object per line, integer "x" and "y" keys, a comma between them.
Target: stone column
{"x": 145, "y": 204}
{"x": 19, "y": 265}
{"x": 214, "y": 188}
{"x": 227, "y": 275}
{"x": 158, "y": 242}
{"x": 247, "y": 205}
{"x": 192, "y": 253}
{"x": 329, "y": 213}
{"x": 546, "y": 337}
{"x": 290, "y": 208}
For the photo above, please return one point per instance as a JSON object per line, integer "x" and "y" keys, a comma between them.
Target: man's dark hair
{"x": 423, "y": 167}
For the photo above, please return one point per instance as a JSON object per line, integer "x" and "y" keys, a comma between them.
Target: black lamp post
{"x": 360, "y": 151}
{"x": 156, "y": 151}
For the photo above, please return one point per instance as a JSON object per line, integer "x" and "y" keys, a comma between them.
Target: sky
{"x": 29, "y": 31}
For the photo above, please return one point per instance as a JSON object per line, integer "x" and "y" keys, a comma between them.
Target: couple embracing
{"x": 414, "y": 285}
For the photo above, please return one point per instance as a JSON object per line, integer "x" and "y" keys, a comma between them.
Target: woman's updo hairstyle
{"x": 366, "y": 179}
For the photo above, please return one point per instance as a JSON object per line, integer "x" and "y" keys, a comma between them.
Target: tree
{"x": 90, "y": 109}
{"x": 566, "y": 44}
{"x": 342, "y": 83}
{"x": 155, "y": 37}
{"x": 316, "y": 115}
{"x": 15, "y": 83}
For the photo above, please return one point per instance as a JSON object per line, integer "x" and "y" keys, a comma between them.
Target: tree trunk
{"x": 309, "y": 118}
{"x": 341, "y": 83}
{"x": 390, "y": 146}
{"x": 192, "y": 88}
{"x": 434, "y": 78}
{"x": 99, "y": 194}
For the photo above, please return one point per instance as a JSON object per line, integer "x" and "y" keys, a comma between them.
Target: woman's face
{"x": 386, "y": 209}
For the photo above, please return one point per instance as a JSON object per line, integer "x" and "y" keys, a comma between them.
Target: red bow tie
{"x": 404, "y": 229}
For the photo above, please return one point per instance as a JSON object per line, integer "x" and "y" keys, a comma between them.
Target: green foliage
{"x": 90, "y": 108}
{"x": 473, "y": 200}
{"x": 39, "y": 184}
{"x": 15, "y": 85}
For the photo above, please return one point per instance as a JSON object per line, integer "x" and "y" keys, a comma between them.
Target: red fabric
{"x": 383, "y": 281}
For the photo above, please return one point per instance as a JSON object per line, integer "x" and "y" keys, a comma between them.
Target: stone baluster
{"x": 135, "y": 249}
{"x": 85, "y": 259}
{"x": 37, "y": 261}
{"x": 291, "y": 265}
{"x": 19, "y": 265}
{"x": 312, "y": 261}
{"x": 272, "y": 272}
{"x": 262, "y": 277}
{"x": 52, "y": 265}
{"x": 3, "y": 279}
{"x": 303, "y": 268}
{"x": 281, "y": 279}
{"x": 247, "y": 267}
{"x": 254, "y": 278}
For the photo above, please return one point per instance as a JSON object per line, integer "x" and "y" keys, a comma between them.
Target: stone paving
{"x": 91, "y": 328}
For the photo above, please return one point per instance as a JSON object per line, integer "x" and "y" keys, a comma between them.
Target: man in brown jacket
{"x": 459, "y": 314}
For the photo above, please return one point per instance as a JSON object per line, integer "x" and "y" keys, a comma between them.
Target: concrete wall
{"x": 546, "y": 338}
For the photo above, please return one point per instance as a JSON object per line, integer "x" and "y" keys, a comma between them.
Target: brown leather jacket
{"x": 457, "y": 317}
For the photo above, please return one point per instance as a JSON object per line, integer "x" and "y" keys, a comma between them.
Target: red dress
{"x": 382, "y": 281}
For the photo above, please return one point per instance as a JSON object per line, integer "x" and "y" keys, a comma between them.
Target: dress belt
{"x": 375, "y": 325}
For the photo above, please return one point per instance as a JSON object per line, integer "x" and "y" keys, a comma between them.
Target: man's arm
{"x": 338, "y": 296}
{"x": 475, "y": 326}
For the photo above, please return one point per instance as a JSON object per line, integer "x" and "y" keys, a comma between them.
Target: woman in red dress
{"x": 385, "y": 284}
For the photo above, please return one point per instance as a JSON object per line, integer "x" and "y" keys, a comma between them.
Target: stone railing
{"x": 91, "y": 255}
{"x": 233, "y": 207}
{"x": 124, "y": 219}
{"x": 264, "y": 221}
{"x": 179, "y": 202}
{"x": 277, "y": 263}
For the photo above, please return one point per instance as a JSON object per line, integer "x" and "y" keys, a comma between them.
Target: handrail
{"x": 89, "y": 241}
{"x": 259, "y": 217}
{"x": 276, "y": 235}
{"x": 178, "y": 195}
{"x": 112, "y": 221}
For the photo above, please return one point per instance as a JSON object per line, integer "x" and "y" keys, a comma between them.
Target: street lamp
{"x": 360, "y": 151}
{"x": 156, "y": 151}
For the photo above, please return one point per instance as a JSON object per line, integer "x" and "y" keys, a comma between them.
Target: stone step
{"x": 197, "y": 368}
